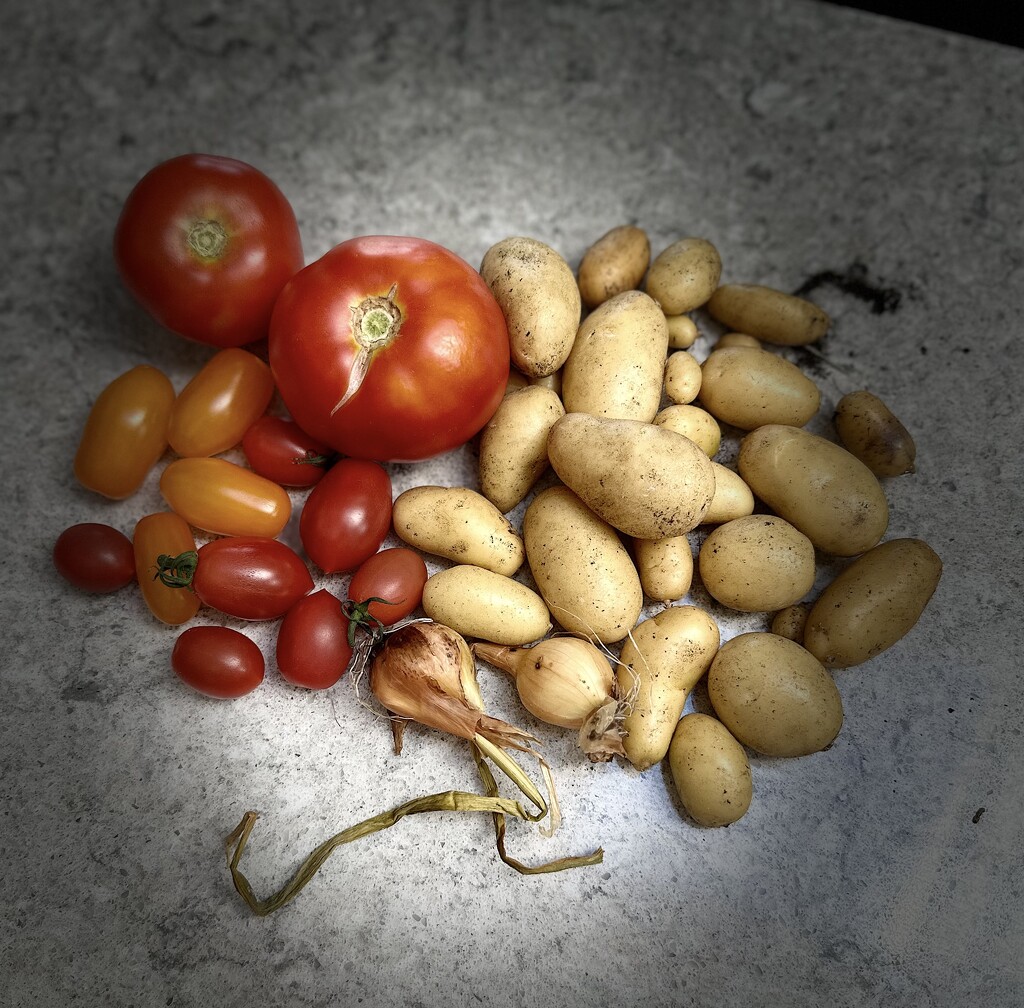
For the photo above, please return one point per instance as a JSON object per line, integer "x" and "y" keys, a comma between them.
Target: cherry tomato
{"x": 397, "y": 574}
{"x": 347, "y": 515}
{"x": 125, "y": 433}
{"x": 312, "y": 642}
{"x": 205, "y": 244}
{"x": 425, "y": 327}
{"x": 218, "y": 496}
{"x": 94, "y": 557}
{"x": 250, "y": 577}
{"x": 282, "y": 451}
{"x": 218, "y": 661}
{"x": 223, "y": 399}
{"x": 163, "y": 534}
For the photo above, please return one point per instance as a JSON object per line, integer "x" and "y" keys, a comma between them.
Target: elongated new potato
{"x": 661, "y": 662}
{"x": 710, "y": 771}
{"x": 768, "y": 314}
{"x": 616, "y": 262}
{"x": 478, "y": 603}
{"x": 514, "y": 445}
{"x": 870, "y": 430}
{"x": 684, "y": 275}
{"x": 460, "y": 525}
{"x": 749, "y": 388}
{"x": 643, "y": 480}
{"x": 536, "y": 290}
{"x": 616, "y": 366}
{"x": 774, "y": 696}
{"x": 733, "y": 498}
{"x": 682, "y": 377}
{"x": 582, "y": 569}
{"x": 873, "y": 603}
{"x": 665, "y": 567}
{"x": 816, "y": 485}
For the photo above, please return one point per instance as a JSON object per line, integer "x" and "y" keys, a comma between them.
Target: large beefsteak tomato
{"x": 389, "y": 348}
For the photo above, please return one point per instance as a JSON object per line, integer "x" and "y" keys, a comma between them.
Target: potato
{"x": 552, "y": 381}
{"x": 710, "y": 771}
{"x": 873, "y": 603}
{"x": 536, "y": 289}
{"x": 616, "y": 262}
{"x": 733, "y": 498}
{"x": 869, "y": 430}
{"x": 514, "y": 445}
{"x": 460, "y": 525}
{"x": 767, "y": 314}
{"x": 682, "y": 331}
{"x": 774, "y": 696}
{"x": 682, "y": 377}
{"x": 581, "y": 567}
{"x": 645, "y": 481}
{"x": 790, "y": 622}
{"x": 617, "y": 363}
{"x": 749, "y": 388}
{"x": 479, "y": 603}
{"x": 737, "y": 339}
{"x": 692, "y": 422}
{"x": 665, "y": 567}
{"x": 663, "y": 659}
{"x": 816, "y": 485}
{"x": 684, "y": 275}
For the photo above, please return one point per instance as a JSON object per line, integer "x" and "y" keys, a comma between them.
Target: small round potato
{"x": 774, "y": 696}
{"x": 748, "y": 388}
{"x": 616, "y": 262}
{"x": 682, "y": 377}
{"x": 790, "y": 622}
{"x": 870, "y": 430}
{"x": 694, "y": 423}
{"x": 710, "y": 771}
{"x": 481, "y": 604}
{"x": 682, "y": 332}
{"x": 757, "y": 564}
{"x": 733, "y": 498}
{"x": 767, "y": 314}
{"x": 873, "y": 603}
{"x": 684, "y": 275}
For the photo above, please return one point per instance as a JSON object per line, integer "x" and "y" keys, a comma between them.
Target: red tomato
{"x": 223, "y": 399}
{"x": 425, "y": 325}
{"x": 125, "y": 433}
{"x": 158, "y": 535}
{"x": 280, "y": 450}
{"x": 94, "y": 557}
{"x": 205, "y": 244}
{"x": 347, "y": 515}
{"x": 312, "y": 642}
{"x": 250, "y": 577}
{"x": 218, "y": 661}
{"x": 397, "y": 574}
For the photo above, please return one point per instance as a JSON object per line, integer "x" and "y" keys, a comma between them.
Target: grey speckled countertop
{"x": 802, "y": 139}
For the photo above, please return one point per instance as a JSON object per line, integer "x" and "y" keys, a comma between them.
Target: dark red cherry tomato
{"x": 397, "y": 574}
{"x": 218, "y": 661}
{"x": 312, "y": 642}
{"x": 280, "y": 450}
{"x": 94, "y": 557}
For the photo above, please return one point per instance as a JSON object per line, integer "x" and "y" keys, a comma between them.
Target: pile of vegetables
{"x": 591, "y": 416}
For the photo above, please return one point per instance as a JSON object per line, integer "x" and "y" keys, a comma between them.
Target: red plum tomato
{"x": 280, "y": 450}
{"x": 347, "y": 515}
{"x": 205, "y": 243}
{"x": 389, "y": 348}
{"x": 312, "y": 642}
{"x": 94, "y": 557}
{"x": 218, "y": 662}
{"x": 397, "y": 574}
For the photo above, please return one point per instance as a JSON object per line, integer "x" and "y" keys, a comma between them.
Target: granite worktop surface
{"x": 875, "y": 164}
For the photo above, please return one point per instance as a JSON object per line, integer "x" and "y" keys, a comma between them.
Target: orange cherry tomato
{"x": 222, "y": 401}
{"x": 163, "y": 534}
{"x": 218, "y": 496}
{"x": 125, "y": 433}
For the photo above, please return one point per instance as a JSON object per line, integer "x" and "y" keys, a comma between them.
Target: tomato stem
{"x": 207, "y": 239}
{"x": 176, "y": 571}
{"x": 375, "y": 324}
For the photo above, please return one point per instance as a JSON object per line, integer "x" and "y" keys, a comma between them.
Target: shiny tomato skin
{"x": 163, "y": 533}
{"x": 427, "y": 392}
{"x": 398, "y": 574}
{"x": 312, "y": 642}
{"x": 347, "y": 515}
{"x": 94, "y": 557}
{"x": 280, "y": 450}
{"x": 218, "y": 496}
{"x": 125, "y": 433}
{"x": 205, "y": 243}
{"x": 220, "y": 403}
{"x": 250, "y": 577}
{"x": 218, "y": 661}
